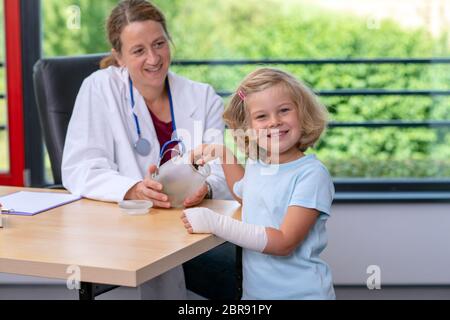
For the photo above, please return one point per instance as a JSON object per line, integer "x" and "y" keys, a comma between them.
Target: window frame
{"x": 365, "y": 189}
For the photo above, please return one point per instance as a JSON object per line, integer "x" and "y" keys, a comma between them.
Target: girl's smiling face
{"x": 275, "y": 117}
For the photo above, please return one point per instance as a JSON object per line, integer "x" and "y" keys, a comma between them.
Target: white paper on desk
{"x": 28, "y": 203}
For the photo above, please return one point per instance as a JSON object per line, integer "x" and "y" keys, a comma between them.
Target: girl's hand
{"x": 187, "y": 225}
{"x": 206, "y": 153}
{"x": 149, "y": 189}
{"x": 197, "y": 197}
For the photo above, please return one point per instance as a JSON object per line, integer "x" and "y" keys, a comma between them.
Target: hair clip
{"x": 241, "y": 94}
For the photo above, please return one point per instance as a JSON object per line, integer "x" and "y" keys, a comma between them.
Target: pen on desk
{"x": 6, "y": 210}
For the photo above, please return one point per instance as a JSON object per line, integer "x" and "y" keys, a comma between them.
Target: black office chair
{"x": 56, "y": 84}
{"x": 57, "y": 81}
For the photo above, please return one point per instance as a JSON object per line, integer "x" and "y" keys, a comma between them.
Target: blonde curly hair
{"x": 313, "y": 115}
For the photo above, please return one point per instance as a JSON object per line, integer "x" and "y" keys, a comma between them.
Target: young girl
{"x": 286, "y": 195}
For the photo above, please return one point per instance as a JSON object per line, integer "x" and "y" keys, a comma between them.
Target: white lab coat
{"x": 99, "y": 159}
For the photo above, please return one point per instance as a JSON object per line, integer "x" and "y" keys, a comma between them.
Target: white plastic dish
{"x": 136, "y": 207}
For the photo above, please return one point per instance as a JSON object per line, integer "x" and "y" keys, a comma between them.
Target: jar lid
{"x": 135, "y": 207}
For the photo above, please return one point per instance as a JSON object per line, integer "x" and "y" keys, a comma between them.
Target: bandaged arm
{"x": 249, "y": 236}
{"x": 296, "y": 225}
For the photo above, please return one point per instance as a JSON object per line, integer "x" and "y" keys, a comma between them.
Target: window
{"x": 75, "y": 27}
{"x": 381, "y": 68}
{"x": 389, "y": 103}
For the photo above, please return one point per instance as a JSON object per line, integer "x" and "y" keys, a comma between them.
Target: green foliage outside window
{"x": 269, "y": 29}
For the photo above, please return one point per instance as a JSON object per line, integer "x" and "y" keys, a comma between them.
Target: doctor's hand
{"x": 197, "y": 197}
{"x": 149, "y": 189}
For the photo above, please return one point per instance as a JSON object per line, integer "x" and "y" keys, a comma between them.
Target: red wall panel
{"x": 14, "y": 92}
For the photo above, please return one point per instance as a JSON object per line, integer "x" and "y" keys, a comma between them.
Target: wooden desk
{"x": 109, "y": 247}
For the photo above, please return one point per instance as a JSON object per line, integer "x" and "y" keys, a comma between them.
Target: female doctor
{"x": 127, "y": 111}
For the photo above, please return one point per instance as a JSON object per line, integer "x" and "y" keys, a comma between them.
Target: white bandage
{"x": 249, "y": 236}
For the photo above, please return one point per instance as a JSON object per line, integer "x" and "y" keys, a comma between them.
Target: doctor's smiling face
{"x": 145, "y": 53}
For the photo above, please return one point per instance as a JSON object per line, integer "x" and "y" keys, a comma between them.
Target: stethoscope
{"x": 142, "y": 145}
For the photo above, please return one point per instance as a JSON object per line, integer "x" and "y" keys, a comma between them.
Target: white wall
{"x": 409, "y": 242}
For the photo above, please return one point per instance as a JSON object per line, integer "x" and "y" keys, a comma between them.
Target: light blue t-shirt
{"x": 266, "y": 192}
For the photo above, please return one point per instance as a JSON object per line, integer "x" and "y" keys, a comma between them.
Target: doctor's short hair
{"x": 313, "y": 115}
{"x": 126, "y": 12}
